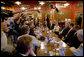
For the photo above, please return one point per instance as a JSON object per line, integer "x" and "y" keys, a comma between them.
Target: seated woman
{"x": 79, "y": 50}
{"x": 24, "y": 46}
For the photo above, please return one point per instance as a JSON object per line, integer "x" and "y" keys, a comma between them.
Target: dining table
{"x": 53, "y": 46}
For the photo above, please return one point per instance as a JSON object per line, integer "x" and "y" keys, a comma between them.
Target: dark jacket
{"x": 51, "y": 27}
{"x": 69, "y": 36}
{"x": 65, "y": 31}
{"x": 36, "y": 24}
{"x": 48, "y": 22}
{"x": 71, "y": 39}
{"x": 32, "y": 32}
{"x": 79, "y": 21}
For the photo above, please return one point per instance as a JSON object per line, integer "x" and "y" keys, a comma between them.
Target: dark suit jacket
{"x": 65, "y": 31}
{"x": 36, "y": 24}
{"x": 79, "y": 21}
{"x": 69, "y": 36}
{"x": 72, "y": 39}
{"x": 48, "y": 22}
{"x": 51, "y": 27}
{"x": 32, "y": 32}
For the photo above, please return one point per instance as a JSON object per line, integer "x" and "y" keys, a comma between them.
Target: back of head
{"x": 24, "y": 44}
{"x": 76, "y": 27}
{"x": 72, "y": 24}
{"x": 24, "y": 30}
{"x": 80, "y": 34}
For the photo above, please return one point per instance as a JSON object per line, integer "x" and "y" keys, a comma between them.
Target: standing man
{"x": 79, "y": 20}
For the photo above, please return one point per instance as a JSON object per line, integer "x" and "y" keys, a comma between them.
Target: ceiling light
{"x": 42, "y": 3}
{"x": 62, "y": 5}
{"x": 66, "y": 4}
{"x": 2, "y": 2}
{"x": 59, "y": 5}
{"x": 18, "y": 3}
{"x": 66, "y": 19}
{"x": 35, "y": 8}
{"x": 23, "y": 8}
{"x": 3, "y": 8}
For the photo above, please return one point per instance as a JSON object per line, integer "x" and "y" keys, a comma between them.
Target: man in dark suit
{"x": 64, "y": 30}
{"x": 45, "y": 23}
{"x": 70, "y": 38}
{"x": 48, "y": 22}
{"x": 79, "y": 20}
{"x": 70, "y": 33}
{"x": 36, "y": 22}
{"x": 51, "y": 25}
{"x": 32, "y": 29}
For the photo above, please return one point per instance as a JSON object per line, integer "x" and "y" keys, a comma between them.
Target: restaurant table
{"x": 50, "y": 46}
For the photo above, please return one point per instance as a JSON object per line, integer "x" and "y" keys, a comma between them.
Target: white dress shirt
{"x": 56, "y": 28}
{"x": 3, "y": 40}
{"x": 68, "y": 32}
{"x": 78, "y": 51}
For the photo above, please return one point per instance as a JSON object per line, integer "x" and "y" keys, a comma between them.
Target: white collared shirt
{"x": 78, "y": 51}
{"x": 56, "y": 28}
{"x": 3, "y": 40}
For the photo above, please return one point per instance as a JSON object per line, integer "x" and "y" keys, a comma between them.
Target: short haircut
{"x": 80, "y": 33}
{"x": 24, "y": 29}
{"x": 77, "y": 27}
{"x": 72, "y": 24}
{"x": 23, "y": 44}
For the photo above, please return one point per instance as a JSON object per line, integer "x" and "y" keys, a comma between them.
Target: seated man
{"x": 79, "y": 50}
{"x": 32, "y": 29}
{"x": 69, "y": 39}
{"x": 64, "y": 31}
{"x": 51, "y": 25}
{"x": 25, "y": 31}
{"x": 70, "y": 33}
{"x": 24, "y": 46}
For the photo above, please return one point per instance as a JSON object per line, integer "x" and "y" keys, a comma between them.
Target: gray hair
{"x": 80, "y": 33}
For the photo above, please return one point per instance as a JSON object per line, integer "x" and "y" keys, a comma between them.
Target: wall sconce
{"x": 3, "y": 8}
